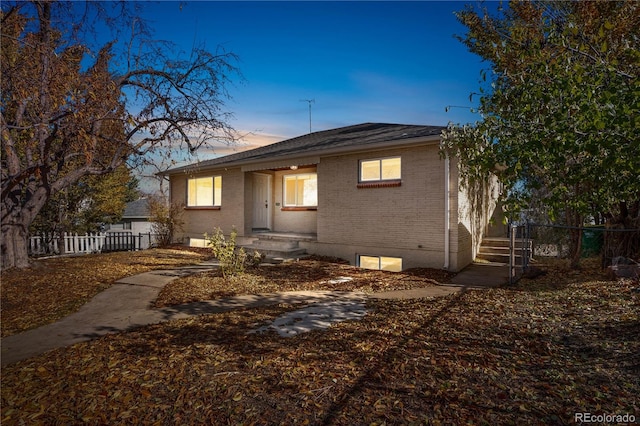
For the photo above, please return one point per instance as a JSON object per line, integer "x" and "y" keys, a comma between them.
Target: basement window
{"x": 382, "y": 263}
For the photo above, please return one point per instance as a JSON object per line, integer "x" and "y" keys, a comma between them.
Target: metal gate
{"x": 520, "y": 251}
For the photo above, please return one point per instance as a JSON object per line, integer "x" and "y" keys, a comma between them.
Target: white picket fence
{"x": 89, "y": 243}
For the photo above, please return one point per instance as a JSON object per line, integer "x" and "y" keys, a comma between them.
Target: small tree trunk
{"x": 575, "y": 220}
{"x": 62, "y": 242}
{"x": 576, "y": 249}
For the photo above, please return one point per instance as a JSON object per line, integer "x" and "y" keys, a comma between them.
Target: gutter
{"x": 447, "y": 212}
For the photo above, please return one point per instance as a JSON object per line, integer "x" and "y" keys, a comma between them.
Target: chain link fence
{"x": 534, "y": 245}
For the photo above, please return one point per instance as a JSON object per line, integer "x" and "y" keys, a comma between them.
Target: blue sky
{"x": 395, "y": 62}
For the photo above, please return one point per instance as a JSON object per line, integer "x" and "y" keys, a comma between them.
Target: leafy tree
{"x": 85, "y": 206}
{"x": 560, "y": 108}
{"x": 70, "y": 109}
{"x": 107, "y": 199}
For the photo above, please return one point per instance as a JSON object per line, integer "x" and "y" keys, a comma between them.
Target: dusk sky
{"x": 360, "y": 61}
{"x": 393, "y": 62}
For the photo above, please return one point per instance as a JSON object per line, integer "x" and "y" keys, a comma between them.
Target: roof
{"x": 351, "y": 137}
{"x": 137, "y": 209}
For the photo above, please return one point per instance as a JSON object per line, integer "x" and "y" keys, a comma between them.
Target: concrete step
{"x": 494, "y": 250}
{"x": 264, "y": 244}
{"x": 504, "y": 242}
{"x": 273, "y": 253}
{"x": 275, "y": 236}
{"x": 498, "y": 258}
{"x": 279, "y": 247}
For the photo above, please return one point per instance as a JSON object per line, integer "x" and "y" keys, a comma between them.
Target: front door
{"x": 261, "y": 201}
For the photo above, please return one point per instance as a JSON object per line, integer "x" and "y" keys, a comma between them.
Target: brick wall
{"x": 200, "y": 221}
{"x": 384, "y": 221}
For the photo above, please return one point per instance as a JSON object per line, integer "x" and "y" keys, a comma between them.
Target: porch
{"x": 279, "y": 246}
{"x": 282, "y": 200}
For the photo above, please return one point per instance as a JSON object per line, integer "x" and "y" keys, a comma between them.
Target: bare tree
{"x": 69, "y": 111}
{"x": 166, "y": 219}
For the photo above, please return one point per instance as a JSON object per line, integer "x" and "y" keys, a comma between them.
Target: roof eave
{"x": 396, "y": 143}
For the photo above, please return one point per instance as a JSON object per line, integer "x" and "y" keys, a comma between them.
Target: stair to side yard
{"x": 279, "y": 247}
{"x": 496, "y": 249}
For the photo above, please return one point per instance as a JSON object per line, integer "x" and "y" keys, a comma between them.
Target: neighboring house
{"x": 135, "y": 218}
{"x": 378, "y": 195}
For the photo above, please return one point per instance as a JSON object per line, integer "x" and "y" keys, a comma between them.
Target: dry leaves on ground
{"x": 56, "y": 287}
{"x": 521, "y": 355}
{"x": 314, "y": 273}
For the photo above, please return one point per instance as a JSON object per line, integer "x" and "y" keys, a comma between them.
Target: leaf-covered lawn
{"x": 314, "y": 273}
{"x": 56, "y": 287}
{"x": 534, "y": 354}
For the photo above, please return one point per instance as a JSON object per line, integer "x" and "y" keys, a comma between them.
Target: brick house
{"x": 378, "y": 195}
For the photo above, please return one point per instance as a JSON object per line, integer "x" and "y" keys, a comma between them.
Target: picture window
{"x": 204, "y": 192}
{"x": 301, "y": 190}
{"x": 382, "y": 169}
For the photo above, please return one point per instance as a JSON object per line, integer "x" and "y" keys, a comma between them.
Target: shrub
{"x": 233, "y": 260}
{"x": 166, "y": 220}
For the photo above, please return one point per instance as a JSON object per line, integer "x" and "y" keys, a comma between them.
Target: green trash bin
{"x": 592, "y": 240}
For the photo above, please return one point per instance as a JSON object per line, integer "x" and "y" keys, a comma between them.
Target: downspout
{"x": 447, "y": 222}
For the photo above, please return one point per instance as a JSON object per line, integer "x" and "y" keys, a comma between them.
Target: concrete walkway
{"x": 127, "y": 304}
{"x": 475, "y": 276}
{"x": 482, "y": 275}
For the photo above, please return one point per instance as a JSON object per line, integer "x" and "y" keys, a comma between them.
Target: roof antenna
{"x": 310, "y": 101}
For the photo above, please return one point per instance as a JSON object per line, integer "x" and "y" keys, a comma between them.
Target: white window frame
{"x": 216, "y": 188}
{"x": 298, "y": 203}
{"x": 380, "y": 262}
{"x": 380, "y": 170}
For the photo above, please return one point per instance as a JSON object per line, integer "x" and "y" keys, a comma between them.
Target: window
{"x": 301, "y": 190}
{"x": 204, "y": 192}
{"x": 381, "y": 169}
{"x": 384, "y": 263}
